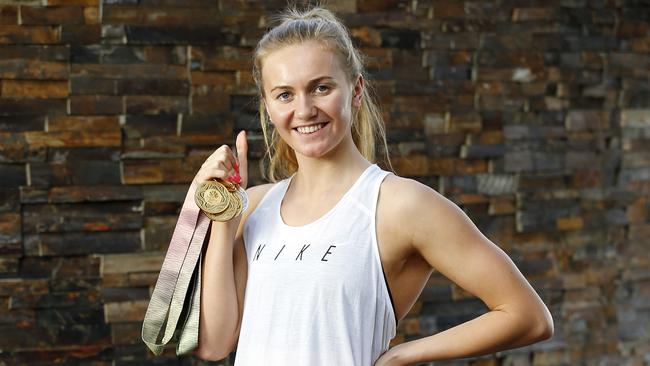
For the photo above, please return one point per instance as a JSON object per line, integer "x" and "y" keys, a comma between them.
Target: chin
{"x": 312, "y": 153}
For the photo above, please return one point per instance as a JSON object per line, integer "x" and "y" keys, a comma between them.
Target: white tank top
{"x": 316, "y": 294}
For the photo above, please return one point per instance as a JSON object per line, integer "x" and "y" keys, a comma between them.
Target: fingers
{"x": 242, "y": 154}
{"x": 221, "y": 165}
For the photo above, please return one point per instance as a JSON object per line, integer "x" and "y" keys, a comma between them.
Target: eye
{"x": 283, "y": 96}
{"x": 322, "y": 88}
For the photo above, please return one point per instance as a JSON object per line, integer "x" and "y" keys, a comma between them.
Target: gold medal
{"x": 220, "y": 200}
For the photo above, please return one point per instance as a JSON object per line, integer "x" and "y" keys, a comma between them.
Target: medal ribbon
{"x": 177, "y": 293}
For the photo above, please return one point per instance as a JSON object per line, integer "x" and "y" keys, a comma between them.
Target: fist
{"x": 224, "y": 165}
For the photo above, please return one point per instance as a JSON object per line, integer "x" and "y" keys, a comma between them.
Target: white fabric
{"x": 316, "y": 294}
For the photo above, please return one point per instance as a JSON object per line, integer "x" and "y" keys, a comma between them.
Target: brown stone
{"x": 32, "y": 69}
{"x": 632, "y": 29}
{"x": 374, "y": 5}
{"x": 9, "y": 264}
{"x": 141, "y": 172}
{"x": 635, "y": 118}
{"x": 414, "y": 165}
{"x": 213, "y": 78}
{"x": 367, "y": 36}
{"x": 640, "y": 45}
{"x": 502, "y": 205}
{"x": 72, "y": 2}
{"x": 592, "y": 120}
{"x": 127, "y": 311}
{"x": 210, "y": 104}
{"x": 75, "y": 243}
{"x": 569, "y": 223}
{"x": 11, "y": 34}
{"x": 91, "y": 15}
{"x": 222, "y": 58}
{"x": 96, "y": 104}
{"x": 448, "y": 9}
{"x": 129, "y": 279}
{"x": 126, "y": 333}
{"x": 463, "y": 122}
{"x": 8, "y": 14}
{"x": 10, "y": 231}
{"x": 32, "y": 106}
{"x": 534, "y": 14}
{"x": 73, "y": 217}
{"x": 34, "y": 89}
{"x": 51, "y": 15}
{"x": 410, "y": 326}
{"x": 143, "y": 71}
{"x": 163, "y": 16}
{"x": 158, "y": 232}
{"x": 145, "y": 104}
{"x": 378, "y": 58}
{"x": 73, "y": 138}
{"x": 153, "y": 87}
{"x": 84, "y": 123}
{"x": 9, "y": 286}
{"x": 81, "y": 34}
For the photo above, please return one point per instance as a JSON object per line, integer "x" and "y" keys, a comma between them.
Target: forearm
{"x": 491, "y": 332}
{"x": 219, "y": 310}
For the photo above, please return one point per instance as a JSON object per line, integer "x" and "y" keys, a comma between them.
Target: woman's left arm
{"x": 450, "y": 242}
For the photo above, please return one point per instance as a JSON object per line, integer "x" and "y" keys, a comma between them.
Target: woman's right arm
{"x": 224, "y": 267}
{"x": 223, "y": 283}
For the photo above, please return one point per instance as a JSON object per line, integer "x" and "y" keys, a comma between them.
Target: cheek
{"x": 337, "y": 106}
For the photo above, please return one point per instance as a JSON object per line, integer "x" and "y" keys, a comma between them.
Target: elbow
{"x": 547, "y": 331}
{"x": 544, "y": 327}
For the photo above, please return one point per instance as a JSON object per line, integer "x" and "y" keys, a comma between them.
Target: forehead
{"x": 296, "y": 65}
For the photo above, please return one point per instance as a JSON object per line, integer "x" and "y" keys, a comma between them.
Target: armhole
{"x": 375, "y": 243}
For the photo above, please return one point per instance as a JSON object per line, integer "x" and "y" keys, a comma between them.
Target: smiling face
{"x": 309, "y": 98}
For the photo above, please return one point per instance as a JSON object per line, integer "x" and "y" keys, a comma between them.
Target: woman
{"x": 328, "y": 257}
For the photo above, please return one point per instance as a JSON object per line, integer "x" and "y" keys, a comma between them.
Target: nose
{"x": 305, "y": 109}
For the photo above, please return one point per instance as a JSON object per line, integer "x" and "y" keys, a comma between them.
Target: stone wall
{"x": 533, "y": 116}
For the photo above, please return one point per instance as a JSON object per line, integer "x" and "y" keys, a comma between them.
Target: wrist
{"x": 400, "y": 356}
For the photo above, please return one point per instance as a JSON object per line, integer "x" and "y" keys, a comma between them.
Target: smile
{"x": 306, "y": 130}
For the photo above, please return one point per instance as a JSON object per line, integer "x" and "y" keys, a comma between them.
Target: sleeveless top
{"x": 316, "y": 294}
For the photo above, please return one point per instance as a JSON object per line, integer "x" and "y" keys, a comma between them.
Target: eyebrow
{"x": 311, "y": 82}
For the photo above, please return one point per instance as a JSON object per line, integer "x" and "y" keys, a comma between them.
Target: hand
{"x": 224, "y": 165}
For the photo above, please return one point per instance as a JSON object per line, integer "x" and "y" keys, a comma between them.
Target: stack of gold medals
{"x": 221, "y": 200}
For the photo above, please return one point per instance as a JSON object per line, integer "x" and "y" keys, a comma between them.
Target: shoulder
{"x": 255, "y": 195}
{"x": 408, "y": 195}
{"x": 414, "y": 209}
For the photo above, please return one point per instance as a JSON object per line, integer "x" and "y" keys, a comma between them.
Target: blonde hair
{"x": 321, "y": 25}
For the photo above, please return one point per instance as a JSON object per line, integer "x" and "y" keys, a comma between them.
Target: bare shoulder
{"x": 414, "y": 209}
{"x": 255, "y": 195}
{"x": 406, "y": 197}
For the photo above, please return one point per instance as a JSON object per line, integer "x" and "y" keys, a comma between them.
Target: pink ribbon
{"x": 177, "y": 291}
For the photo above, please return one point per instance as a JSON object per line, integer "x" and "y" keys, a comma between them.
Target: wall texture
{"x": 533, "y": 116}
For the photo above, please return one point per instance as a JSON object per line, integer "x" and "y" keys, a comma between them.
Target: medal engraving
{"x": 219, "y": 200}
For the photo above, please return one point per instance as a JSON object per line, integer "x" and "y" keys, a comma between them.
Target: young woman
{"x": 334, "y": 252}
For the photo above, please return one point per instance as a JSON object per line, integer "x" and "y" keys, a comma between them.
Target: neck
{"x": 339, "y": 169}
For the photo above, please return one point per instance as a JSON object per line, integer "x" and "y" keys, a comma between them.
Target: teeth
{"x": 310, "y": 129}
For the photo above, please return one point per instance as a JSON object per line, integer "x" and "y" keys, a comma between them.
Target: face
{"x": 305, "y": 86}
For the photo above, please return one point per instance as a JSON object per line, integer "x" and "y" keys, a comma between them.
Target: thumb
{"x": 242, "y": 157}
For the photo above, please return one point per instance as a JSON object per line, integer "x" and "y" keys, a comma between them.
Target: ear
{"x": 266, "y": 109}
{"x": 357, "y": 92}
